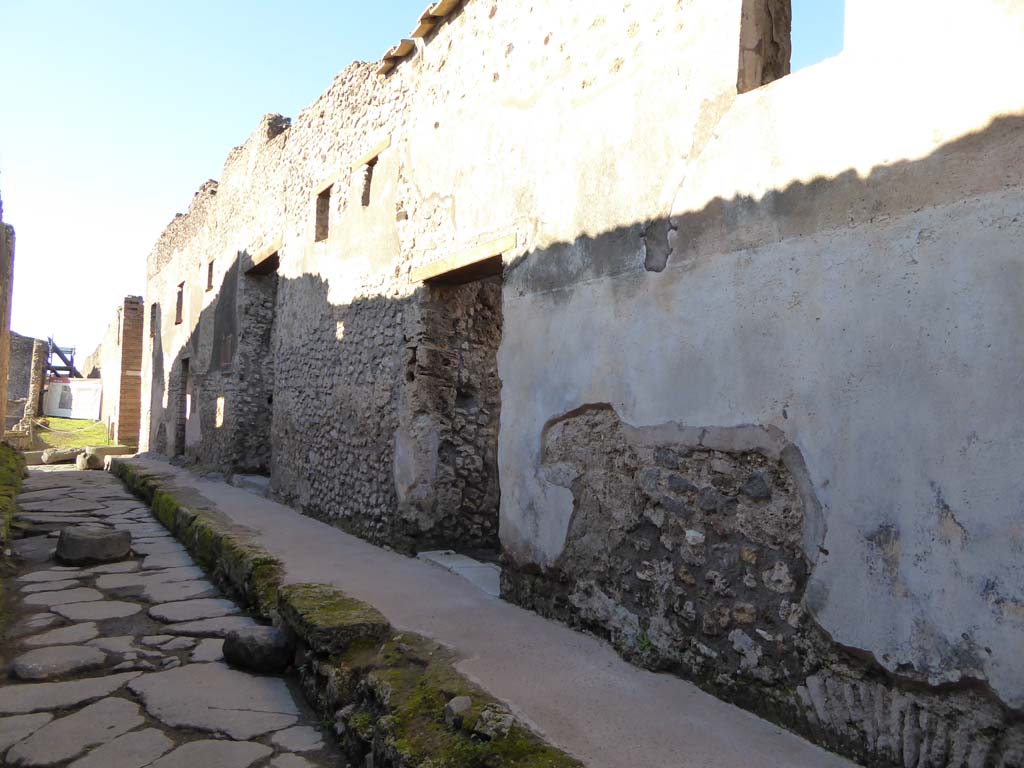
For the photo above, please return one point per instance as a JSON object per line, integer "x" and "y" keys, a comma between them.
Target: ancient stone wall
{"x": 6, "y": 289}
{"x": 832, "y": 257}
{"x": 117, "y": 361}
{"x": 19, "y": 367}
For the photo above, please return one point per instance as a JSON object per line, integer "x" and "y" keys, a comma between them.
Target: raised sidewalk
{"x": 572, "y": 688}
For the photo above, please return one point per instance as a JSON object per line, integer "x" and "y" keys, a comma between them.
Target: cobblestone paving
{"x": 119, "y": 665}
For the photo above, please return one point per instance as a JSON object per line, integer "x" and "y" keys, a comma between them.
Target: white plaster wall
{"x": 878, "y": 324}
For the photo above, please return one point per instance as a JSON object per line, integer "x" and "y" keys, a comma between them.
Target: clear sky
{"x": 113, "y": 112}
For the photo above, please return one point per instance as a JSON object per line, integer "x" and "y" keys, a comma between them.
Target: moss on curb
{"x": 395, "y": 690}
{"x": 328, "y": 620}
{"x": 391, "y": 690}
{"x": 236, "y": 564}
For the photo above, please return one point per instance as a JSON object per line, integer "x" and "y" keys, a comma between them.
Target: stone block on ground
{"x": 259, "y": 649}
{"x": 82, "y": 462}
{"x": 33, "y": 458}
{"x": 61, "y": 455}
{"x": 79, "y": 546}
{"x": 209, "y": 753}
{"x": 102, "y": 451}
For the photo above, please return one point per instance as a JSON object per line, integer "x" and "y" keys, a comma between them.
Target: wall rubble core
{"x": 681, "y": 243}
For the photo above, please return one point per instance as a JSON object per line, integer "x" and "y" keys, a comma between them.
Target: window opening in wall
{"x": 323, "y": 214}
{"x": 179, "y": 306}
{"x": 368, "y": 181}
{"x": 778, "y": 37}
{"x": 209, "y": 276}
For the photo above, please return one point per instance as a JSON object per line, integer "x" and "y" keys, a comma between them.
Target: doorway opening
{"x": 184, "y": 407}
{"x": 463, "y": 319}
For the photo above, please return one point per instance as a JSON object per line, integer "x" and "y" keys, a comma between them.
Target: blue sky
{"x": 114, "y": 112}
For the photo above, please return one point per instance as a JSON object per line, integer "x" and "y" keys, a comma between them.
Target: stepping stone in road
{"x": 63, "y": 597}
{"x": 214, "y": 698}
{"x": 78, "y": 546}
{"x": 55, "y": 661}
{"x": 14, "y": 729}
{"x": 266, "y": 650}
{"x": 214, "y": 754}
{"x": 76, "y": 633}
{"x": 300, "y": 738}
{"x": 98, "y": 611}
{"x": 49, "y": 586}
{"x": 38, "y": 697}
{"x": 133, "y": 750}
{"x": 70, "y": 736}
{"x": 219, "y": 627}
{"x": 192, "y": 610}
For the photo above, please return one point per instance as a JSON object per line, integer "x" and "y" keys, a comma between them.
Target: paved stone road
{"x": 119, "y": 665}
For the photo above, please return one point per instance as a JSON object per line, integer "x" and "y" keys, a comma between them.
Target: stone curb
{"x": 387, "y": 694}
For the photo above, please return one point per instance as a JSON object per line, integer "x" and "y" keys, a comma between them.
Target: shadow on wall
{"x": 338, "y": 392}
{"x": 784, "y": 313}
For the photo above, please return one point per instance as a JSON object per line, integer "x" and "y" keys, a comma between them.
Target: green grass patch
{"x": 71, "y": 433}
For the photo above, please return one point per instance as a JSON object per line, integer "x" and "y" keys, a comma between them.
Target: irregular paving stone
{"x": 44, "y": 576}
{"x": 45, "y": 495}
{"x": 37, "y": 549}
{"x": 70, "y": 736}
{"x": 173, "y": 591}
{"x": 57, "y": 660}
{"x": 259, "y": 649}
{"x": 192, "y": 610}
{"x": 33, "y": 623}
{"x": 126, "y": 566}
{"x": 98, "y": 611}
{"x": 156, "y": 547}
{"x": 78, "y": 546}
{"x": 146, "y": 578}
{"x": 179, "y": 644}
{"x": 123, "y": 644}
{"x": 62, "y": 504}
{"x": 133, "y": 750}
{"x": 166, "y": 560}
{"x": 214, "y": 754}
{"x": 14, "y": 729}
{"x": 155, "y": 640}
{"x": 209, "y": 649}
{"x": 214, "y": 698}
{"x": 300, "y": 738}
{"x": 37, "y": 697}
{"x": 63, "y": 597}
{"x": 76, "y": 633}
{"x": 49, "y": 586}
{"x": 219, "y": 627}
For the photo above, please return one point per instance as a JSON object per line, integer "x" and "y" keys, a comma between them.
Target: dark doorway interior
{"x": 464, "y": 320}
{"x": 184, "y": 406}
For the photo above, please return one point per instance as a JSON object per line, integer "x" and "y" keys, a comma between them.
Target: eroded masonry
{"x": 721, "y": 360}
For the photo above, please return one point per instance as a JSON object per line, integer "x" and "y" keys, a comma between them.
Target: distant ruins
{"x": 117, "y": 361}
{"x": 725, "y": 362}
{"x": 6, "y": 289}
